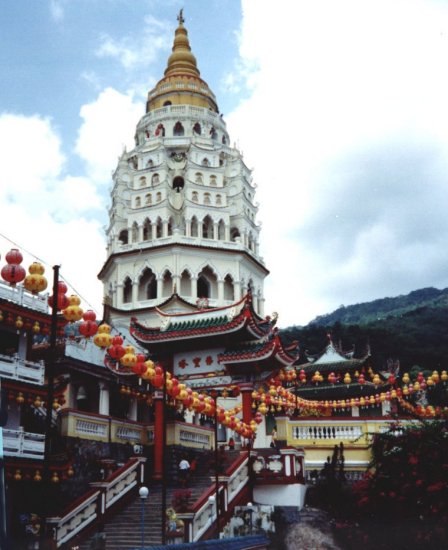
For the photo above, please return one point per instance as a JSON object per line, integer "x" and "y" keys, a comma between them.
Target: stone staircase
{"x": 123, "y": 530}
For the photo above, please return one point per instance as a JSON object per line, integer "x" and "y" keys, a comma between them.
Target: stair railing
{"x": 94, "y": 504}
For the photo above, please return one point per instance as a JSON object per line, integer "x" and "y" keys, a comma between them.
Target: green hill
{"x": 412, "y": 329}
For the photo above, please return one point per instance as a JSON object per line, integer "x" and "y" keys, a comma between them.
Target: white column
{"x": 220, "y": 291}
{"x": 227, "y": 232}
{"x": 237, "y": 290}
{"x": 159, "y": 287}
{"x": 188, "y": 228}
{"x": 134, "y": 292}
{"x": 215, "y": 231}
{"x": 104, "y": 399}
{"x": 165, "y": 228}
{"x": 154, "y": 231}
{"x": 194, "y": 287}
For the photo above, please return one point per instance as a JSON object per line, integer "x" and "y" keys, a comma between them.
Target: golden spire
{"x": 181, "y": 61}
{"x": 182, "y": 83}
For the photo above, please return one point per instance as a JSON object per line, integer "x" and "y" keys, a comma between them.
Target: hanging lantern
{"x": 347, "y": 379}
{"x": 20, "y": 399}
{"x": 37, "y": 402}
{"x": 102, "y": 338}
{"x": 88, "y": 327}
{"x": 17, "y": 475}
{"x": 35, "y": 282}
{"x": 37, "y": 476}
{"x": 36, "y": 327}
{"x": 129, "y": 359}
{"x": 116, "y": 350}
{"x": 62, "y": 300}
{"x": 73, "y": 312}
{"x": 70, "y": 471}
{"x": 19, "y": 322}
{"x": 13, "y": 272}
{"x": 361, "y": 379}
{"x": 55, "y": 478}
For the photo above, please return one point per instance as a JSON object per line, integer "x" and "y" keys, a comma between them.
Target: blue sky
{"x": 339, "y": 107}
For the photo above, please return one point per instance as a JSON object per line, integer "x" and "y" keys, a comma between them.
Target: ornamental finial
{"x": 180, "y": 17}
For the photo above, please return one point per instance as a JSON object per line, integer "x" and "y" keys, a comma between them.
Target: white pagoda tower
{"x": 182, "y": 233}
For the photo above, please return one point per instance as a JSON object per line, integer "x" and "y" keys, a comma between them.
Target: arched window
{"x": 127, "y": 291}
{"x": 207, "y": 284}
{"x": 221, "y": 230}
{"x": 235, "y": 234}
{"x": 159, "y": 196}
{"x": 147, "y": 285}
{"x": 160, "y": 130}
{"x": 197, "y": 129}
{"x": 218, "y": 200}
{"x": 167, "y": 103}
{"x": 147, "y": 230}
{"x": 212, "y": 181}
{"x": 138, "y": 202}
{"x": 250, "y": 242}
{"x": 194, "y": 196}
{"x": 194, "y": 227}
{"x": 198, "y": 178}
{"x": 123, "y": 237}
{"x": 207, "y": 228}
{"x": 148, "y": 198}
{"x": 155, "y": 179}
{"x": 159, "y": 231}
{"x": 229, "y": 291}
{"x": 167, "y": 287}
{"x": 170, "y": 226}
{"x": 205, "y": 162}
{"x": 143, "y": 181}
{"x": 178, "y": 183}
{"x": 178, "y": 129}
{"x": 207, "y": 198}
{"x": 135, "y": 232}
{"x": 150, "y": 163}
{"x": 185, "y": 283}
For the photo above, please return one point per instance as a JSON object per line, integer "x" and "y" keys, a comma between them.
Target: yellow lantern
{"x": 37, "y": 476}
{"x": 347, "y": 378}
{"x": 406, "y": 378}
{"x": 55, "y": 478}
{"x": 19, "y": 322}
{"x": 435, "y": 377}
{"x": 20, "y": 399}
{"x": 37, "y": 402}
{"x": 36, "y": 327}
{"x": 102, "y": 338}
{"x": 129, "y": 358}
{"x": 35, "y": 282}
{"x": 17, "y": 475}
{"x": 444, "y": 376}
{"x": 73, "y": 312}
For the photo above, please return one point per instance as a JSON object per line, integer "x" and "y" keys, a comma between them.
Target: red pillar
{"x": 158, "y": 435}
{"x": 246, "y": 396}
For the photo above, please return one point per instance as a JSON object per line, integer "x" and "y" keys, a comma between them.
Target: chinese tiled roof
{"x": 238, "y": 317}
{"x": 331, "y": 358}
{"x": 266, "y": 348}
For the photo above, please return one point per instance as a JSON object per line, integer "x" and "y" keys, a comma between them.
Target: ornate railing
{"x": 101, "y": 428}
{"x": 96, "y": 502}
{"x": 190, "y": 435}
{"x": 202, "y": 515}
{"x": 12, "y": 366}
{"x": 23, "y": 444}
{"x": 329, "y": 432}
{"x": 22, "y": 297}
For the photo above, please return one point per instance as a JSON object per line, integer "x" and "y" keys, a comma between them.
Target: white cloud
{"x": 44, "y": 212}
{"x": 108, "y": 126}
{"x": 56, "y": 10}
{"x": 346, "y": 129}
{"x": 138, "y": 50}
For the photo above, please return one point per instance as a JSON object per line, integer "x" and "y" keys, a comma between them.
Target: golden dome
{"x": 181, "y": 84}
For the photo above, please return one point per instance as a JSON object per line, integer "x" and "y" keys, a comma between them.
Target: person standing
{"x": 274, "y": 438}
{"x": 184, "y": 469}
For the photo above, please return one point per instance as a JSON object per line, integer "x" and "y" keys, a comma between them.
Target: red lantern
{"x": 62, "y": 302}
{"x": 13, "y": 272}
{"x": 88, "y": 327}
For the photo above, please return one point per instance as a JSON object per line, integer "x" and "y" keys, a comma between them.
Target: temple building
{"x": 185, "y": 361}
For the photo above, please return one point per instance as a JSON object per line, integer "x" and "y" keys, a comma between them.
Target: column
{"x": 165, "y": 228}
{"x": 134, "y": 292}
{"x": 159, "y": 287}
{"x": 188, "y": 228}
{"x": 237, "y": 290}
{"x": 158, "y": 435}
{"x": 215, "y": 231}
{"x": 220, "y": 291}
{"x": 154, "y": 230}
{"x": 104, "y": 399}
{"x": 227, "y": 233}
{"x": 194, "y": 287}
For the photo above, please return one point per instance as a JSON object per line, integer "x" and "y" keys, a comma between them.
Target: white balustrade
{"x": 19, "y": 295}
{"x": 322, "y": 432}
{"x": 87, "y": 427}
{"x": 13, "y": 367}
{"x": 23, "y": 444}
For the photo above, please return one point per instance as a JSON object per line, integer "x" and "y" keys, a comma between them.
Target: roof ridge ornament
{"x": 180, "y": 17}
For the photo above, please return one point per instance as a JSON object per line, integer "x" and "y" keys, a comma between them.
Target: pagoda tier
{"x": 236, "y": 323}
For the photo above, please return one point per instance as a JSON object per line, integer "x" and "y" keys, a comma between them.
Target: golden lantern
{"x": 37, "y": 402}
{"x": 1, "y": 316}
{"x": 36, "y": 327}
{"x": 37, "y": 476}
{"x": 18, "y": 475}
{"x": 35, "y": 282}
{"x": 70, "y": 471}
{"x": 73, "y": 312}
{"x": 416, "y": 386}
{"x": 102, "y": 338}
{"x": 376, "y": 380}
{"x": 20, "y": 399}
{"x": 129, "y": 358}
{"x": 406, "y": 378}
{"x": 347, "y": 379}
{"x": 435, "y": 377}
{"x": 55, "y": 478}
{"x": 19, "y": 322}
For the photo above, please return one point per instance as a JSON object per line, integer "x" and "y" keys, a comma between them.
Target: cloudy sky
{"x": 339, "y": 107}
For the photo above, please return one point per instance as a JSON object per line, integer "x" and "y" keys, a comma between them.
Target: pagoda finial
{"x": 180, "y": 17}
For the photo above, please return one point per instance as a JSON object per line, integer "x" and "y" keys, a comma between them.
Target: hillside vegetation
{"x": 412, "y": 329}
